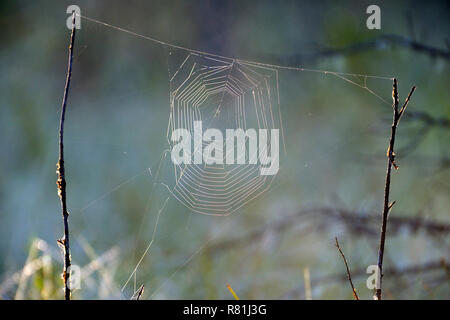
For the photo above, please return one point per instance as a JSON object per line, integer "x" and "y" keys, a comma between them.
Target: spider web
{"x": 223, "y": 93}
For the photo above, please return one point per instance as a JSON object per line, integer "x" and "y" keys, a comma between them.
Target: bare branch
{"x": 348, "y": 269}
{"x": 61, "y": 182}
{"x": 391, "y": 162}
{"x": 405, "y": 104}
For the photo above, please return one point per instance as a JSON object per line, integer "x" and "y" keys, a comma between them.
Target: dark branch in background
{"x": 347, "y": 268}
{"x": 356, "y": 222}
{"x": 426, "y": 124}
{"x": 397, "y": 114}
{"x": 61, "y": 182}
{"x": 390, "y": 272}
{"x": 381, "y": 42}
{"x": 428, "y": 120}
{"x": 404, "y": 42}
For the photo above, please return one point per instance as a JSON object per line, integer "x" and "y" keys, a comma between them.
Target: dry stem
{"x": 61, "y": 182}
{"x": 348, "y": 270}
{"x": 397, "y": 114}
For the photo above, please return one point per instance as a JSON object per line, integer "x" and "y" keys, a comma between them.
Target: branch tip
{"x": 355, "y": 294}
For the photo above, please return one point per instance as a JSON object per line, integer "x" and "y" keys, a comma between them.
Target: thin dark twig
{"x": 61, "y": 182}
{"x": 348, "y": 270}
{"x": 140, "y": 292}
{"x": 391, "y": 162}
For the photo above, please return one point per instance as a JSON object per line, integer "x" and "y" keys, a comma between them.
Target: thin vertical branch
{"x": 348, "y": 270}
{"x": 61, "y": 182}
{"x": 391, "y": 162}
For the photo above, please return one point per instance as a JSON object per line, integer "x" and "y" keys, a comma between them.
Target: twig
{"x": 391, "y": 162}
{"x": 61, "y": 182}
{"x": 232, "y": 292}
{"x": 348, "y": 270}
{"x": 140, "y": 292}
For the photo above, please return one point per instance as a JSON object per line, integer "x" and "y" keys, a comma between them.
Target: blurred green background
{"x": 336, "y": 139}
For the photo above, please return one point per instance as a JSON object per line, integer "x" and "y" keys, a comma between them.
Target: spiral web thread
{"x": 223, "y": 94}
